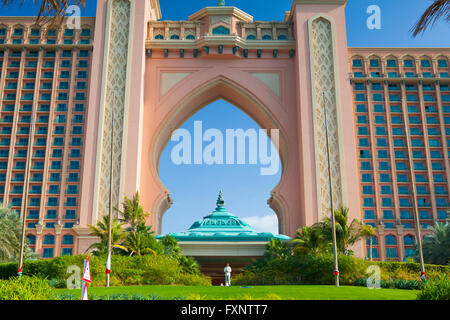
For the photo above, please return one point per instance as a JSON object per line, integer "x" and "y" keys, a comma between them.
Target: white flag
{"x": 108, "y": 263}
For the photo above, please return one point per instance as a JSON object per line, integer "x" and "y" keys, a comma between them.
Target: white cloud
{"x": 268, "y": 223}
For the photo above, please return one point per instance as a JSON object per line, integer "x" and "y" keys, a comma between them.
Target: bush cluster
{"x": 318, "y": 269}
{"x": 437, "y": 289}
{"x": 25, "y": 288}
{"x": 134, "y": 270}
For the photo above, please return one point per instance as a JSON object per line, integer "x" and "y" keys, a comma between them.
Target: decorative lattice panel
{"x": 323, "y": 76}
{"x": 114, "y": 100}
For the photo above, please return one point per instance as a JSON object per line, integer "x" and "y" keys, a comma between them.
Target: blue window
{"x": 367, "y": 190}
{"x": 374, "y": 252}
{"x": 75, "y": 153}
{"x": 369, "y": 214}
{"x": 404, "y": 214}
{"x": 387, "y": 214}
{"x": 31, "y": 239}
{"x": 381, "y": 142}
{"x": 425, "y": 63}
{"x": 360, "y": 108}
{"x": 366, "y": 177}
{"x": 368, "y": 202}
{"x": 221, "y": 31}
{"x": 442, "y": 64}
{"x": 363, "y": 142}
{"x": 190, "y": 37}
{"x": 49, "y": 239}
{"x": 71, "y": 202}
{"x": 391, "y": 240}
{"x": 159, "y": 37}
{"x": 357, "y": 63}
{"x": 251, "y": 37}
{"x": 391, "y": 253}
{"x": 408, "y": 63}
{"x": 267, "y": 37}
{"x": 52, "y": 202}
{"x": 47, "y": 253}
{"x": 386, "y": 190}
{"x": 33, "y": 214}
{"x": 381, "y": 131}
{"x": 53, "y": 189}
{"x": 386, "y": 202}
{"x": 374, "y": 63}
{"x": 403, "y": 190}
{"x": 51, "y": 214}
{"x": 391, "y": 63}
{"x": 70, "y": 214}
{"x": 363, "y": 131}
{"x": 382, "y": 154}
{"x": 365, "y": 165}
{"x": 442, "y": 215}
{"x": 282, "y": 37}
{"x": 404, "y": 202}
{"x": 377, "y": 86}
{"x": 67, "y": 239}
{"x": 67, "y": 251}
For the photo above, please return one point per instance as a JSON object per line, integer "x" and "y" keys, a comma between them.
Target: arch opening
{"x": 194, "y": 187}
{"x": 265, "y": 115}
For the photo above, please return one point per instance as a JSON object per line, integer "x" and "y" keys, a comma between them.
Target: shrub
{"x": 135, "y": 270}
{"x": 437, "y": 289}
{"x": 25, "y": 288}
{"x": 318, "y": 269}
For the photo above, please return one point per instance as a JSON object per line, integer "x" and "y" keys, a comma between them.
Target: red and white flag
{"x": 108, "y": 264}
{"x": 87, "y": 272}
{"x": 84, "y": 295}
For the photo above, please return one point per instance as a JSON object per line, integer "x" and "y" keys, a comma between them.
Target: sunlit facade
{"x": 389, "y": 116}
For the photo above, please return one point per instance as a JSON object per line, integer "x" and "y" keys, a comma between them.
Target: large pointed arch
{"x": 194, "y": 92}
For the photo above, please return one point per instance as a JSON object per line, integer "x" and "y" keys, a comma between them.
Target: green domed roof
{"x": 222, "y": 225}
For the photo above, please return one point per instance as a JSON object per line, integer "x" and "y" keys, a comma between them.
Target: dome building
{"x": 222, "y": 238}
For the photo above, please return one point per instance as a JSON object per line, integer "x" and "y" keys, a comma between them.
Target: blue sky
{"x": 194, "y": 188}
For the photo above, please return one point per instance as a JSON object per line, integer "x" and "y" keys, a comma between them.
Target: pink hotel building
{"x": 388, "y": 115}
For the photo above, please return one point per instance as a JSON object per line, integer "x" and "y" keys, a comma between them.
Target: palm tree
{"x": 140, "y": 243}
{"x": 101, "y": 231}
{"x": 10, "y": 236}
{"x": 132, "y": 212}
{"x": 277, "y": 250}
{"x": 171, "y": 247}
{"x": 437, "y": 10}
{"x": 309, "y": 240}
{"x": 436, "y": 246}
{"x": 368, "y": 231}
{"x": 346, "y": 234}
{"x": 50, "y": 11}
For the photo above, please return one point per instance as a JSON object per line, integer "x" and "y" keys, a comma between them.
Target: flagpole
{"x": 24, "y": 208}
{"x": 333, "y": 223}
{"x": 110, "y": 198}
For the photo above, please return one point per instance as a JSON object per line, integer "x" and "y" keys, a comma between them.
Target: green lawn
{"x": 302, "y": 292}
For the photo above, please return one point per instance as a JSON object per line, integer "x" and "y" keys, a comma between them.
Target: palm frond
{"x": 437, "y": 10}
{"x": 50, "y": 12}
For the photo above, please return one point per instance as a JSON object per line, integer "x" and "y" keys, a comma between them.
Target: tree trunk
{"x": 370, "y": 249}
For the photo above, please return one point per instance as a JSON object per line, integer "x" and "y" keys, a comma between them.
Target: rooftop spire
{"x": 220, "y": 202}
{"x": 221, "y": 3}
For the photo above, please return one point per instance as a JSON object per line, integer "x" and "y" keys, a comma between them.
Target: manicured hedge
{"x": 148, "y": 269}
{"x": 318, "y": 269}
